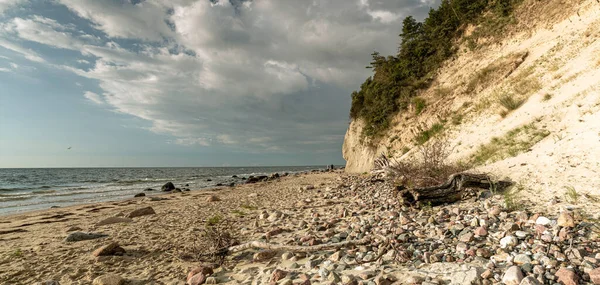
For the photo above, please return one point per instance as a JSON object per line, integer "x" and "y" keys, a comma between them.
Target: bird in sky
{"x": 69, "y": 148}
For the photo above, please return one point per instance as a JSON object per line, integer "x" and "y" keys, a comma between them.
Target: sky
{"x": 128, "y": 83}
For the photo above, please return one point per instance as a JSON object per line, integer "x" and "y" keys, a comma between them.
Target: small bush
{"x": 429, "y": 167}
{"x": 248, "y": 207}
{"x": 214, "y": 220}
{"x": 507, "y": 101}
{"x": 420, "y": 105}
{"x": 547, "y": 97}
{"x": 426, "y": 135}
{"x": 457, "y": 119}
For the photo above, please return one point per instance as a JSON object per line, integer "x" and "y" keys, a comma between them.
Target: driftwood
{"x": 451, "y": 191}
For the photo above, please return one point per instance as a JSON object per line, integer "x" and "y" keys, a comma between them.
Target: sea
{"x": 28, "y": 189}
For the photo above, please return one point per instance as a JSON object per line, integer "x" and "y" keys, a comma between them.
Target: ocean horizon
{"x": 29, "y": 189}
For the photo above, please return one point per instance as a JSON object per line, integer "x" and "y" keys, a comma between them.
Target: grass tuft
{"x": 420, "y": 105}
{"x": 214, "y": 220}
{"x": 571, "y": 194}
{"x": 512, "y": 144}
{"x": 509, "y": 102}
{"x": 426, "y": 135}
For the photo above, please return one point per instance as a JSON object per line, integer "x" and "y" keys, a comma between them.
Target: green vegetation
{"x": 513, "y": 143}
{"x": 571, "y": 194}
{"x": 248, "y": 207}
{"x": 510, "y": 103}
{"x": 17, "y": 253}
{"x": 214, "y": 220}
{"x": 424, "y": 47}
{"x": 457, "y": 119}
{"x": 511, "y": 201}
{"x": 420, "y": 104}
{"x": 238, "y": 213}
{"x": 425, "y": 135}
{"x": 482, "y": 77}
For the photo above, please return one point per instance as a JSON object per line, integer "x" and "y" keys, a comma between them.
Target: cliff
{"x": 526, "y": 107}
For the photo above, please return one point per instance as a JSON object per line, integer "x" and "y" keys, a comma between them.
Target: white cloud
{"x": 27, "y": 53}
{"x": 145, "y": 20}
{"x": 14, "y": 65}
{"x": 258, "y": 75}
{"x": 7, "y": 4}
{"x": 93, "y": 97}
{"x": 192, "y": 141}
{"x": 45, "y": 31}
{"x": 3, "y": 69}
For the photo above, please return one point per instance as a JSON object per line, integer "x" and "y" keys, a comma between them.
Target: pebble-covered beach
{"x": 150, "y": 240}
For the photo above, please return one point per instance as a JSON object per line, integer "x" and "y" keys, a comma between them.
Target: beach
{"x": 362, "y": 232}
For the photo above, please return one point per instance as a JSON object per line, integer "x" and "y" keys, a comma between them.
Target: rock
{"x": 530, "y": 280}
{"x": 595, "y": 275}
{"x": 197, "y": 279}
{"x": 210, "y": 280}
{"x": 255, "y": 179}
{"x": 521, "y": 259}
{"x": 213, "y": 198}
{"x": 508, "y": 242}
{"x": 542, "y": 221}
{"x": 109, "y": 279}
{"x": 512, "y": 276}
{"x": 73, "y": 228}
{"x": 79, "y": 236}
{"x": 565, "y": 219}
{"x": 205, "y": 270}
{"x": 264, "y": 255}
{"x": 278, "y": 274}
{"x": 112, "y": 248}
{"x": 114, "y": 220}
{"x": 49, "y": 282}
{"x": 333, "y": 277}
{"x": 567, "y": 276}
{"x": 494, "y": 211}
{"x": 148, "y": 189}
{"x": 139, "y": 195}
{"x": 141, "y": 212}
{"x": 480, "y": 231}
{"x": 168, "y": 187}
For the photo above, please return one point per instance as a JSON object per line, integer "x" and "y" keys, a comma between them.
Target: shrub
{"x": 428, "y": 167}
{"x": 425, "y": 135}
{"x": 420, "y": 104}
{"x": 507, "y": 101}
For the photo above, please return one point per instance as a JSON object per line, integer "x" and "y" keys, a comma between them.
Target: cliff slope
{"x": 526, "y": 108}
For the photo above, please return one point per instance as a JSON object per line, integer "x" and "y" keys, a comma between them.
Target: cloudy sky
{"x": 185, "y": 82}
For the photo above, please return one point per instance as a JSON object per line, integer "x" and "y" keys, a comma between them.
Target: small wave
{"x": 17, "y": 198}
{"x": 43, "y": 191}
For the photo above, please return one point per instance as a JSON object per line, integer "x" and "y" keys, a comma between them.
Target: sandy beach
{"x": 32, "y": 247}
{"x": 479, "y": 240}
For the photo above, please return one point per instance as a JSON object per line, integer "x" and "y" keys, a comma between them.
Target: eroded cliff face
{"x": 527, "y": 108}
{"x": 359, "y": 155}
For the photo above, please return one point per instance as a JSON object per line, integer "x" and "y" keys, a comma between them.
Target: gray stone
{"x": 114, "y": 220}
{"x": 80, "y": 236}
{"x": 530, "y": 280}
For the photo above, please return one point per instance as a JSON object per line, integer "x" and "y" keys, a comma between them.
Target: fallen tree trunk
{"x": 451, "y": 191}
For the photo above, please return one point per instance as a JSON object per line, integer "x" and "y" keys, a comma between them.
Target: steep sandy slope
{"x": 550, "y": 144}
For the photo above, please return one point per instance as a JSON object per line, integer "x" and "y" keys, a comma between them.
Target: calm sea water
{"x": 31, "y": 189}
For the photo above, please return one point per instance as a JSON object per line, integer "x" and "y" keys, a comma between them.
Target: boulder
{"x": 197, "y": 279}
{"x": 168, "y": 187}
{"x": 278, "y": 274}
{"x": 141, "y": 212}
{"x": 109, "y": 279}
{"x": 148, "y": 189}
{"x": 114, "y": 220}
{"x": 112, "y": 248}
{"x": 139, "y": 195}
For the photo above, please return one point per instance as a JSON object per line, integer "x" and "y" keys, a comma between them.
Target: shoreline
{"x": 478, "y": 240}
{"x": 15, "y": 199}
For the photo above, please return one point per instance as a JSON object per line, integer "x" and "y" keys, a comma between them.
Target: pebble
{"x": 542, "y": 221}
{"x": 567, "y": 276}
{"x": 512, "y": 276}
{"x": 109, "y": 279}
{"x": 112, "y": 248}
{"x": 508, "y": 242}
